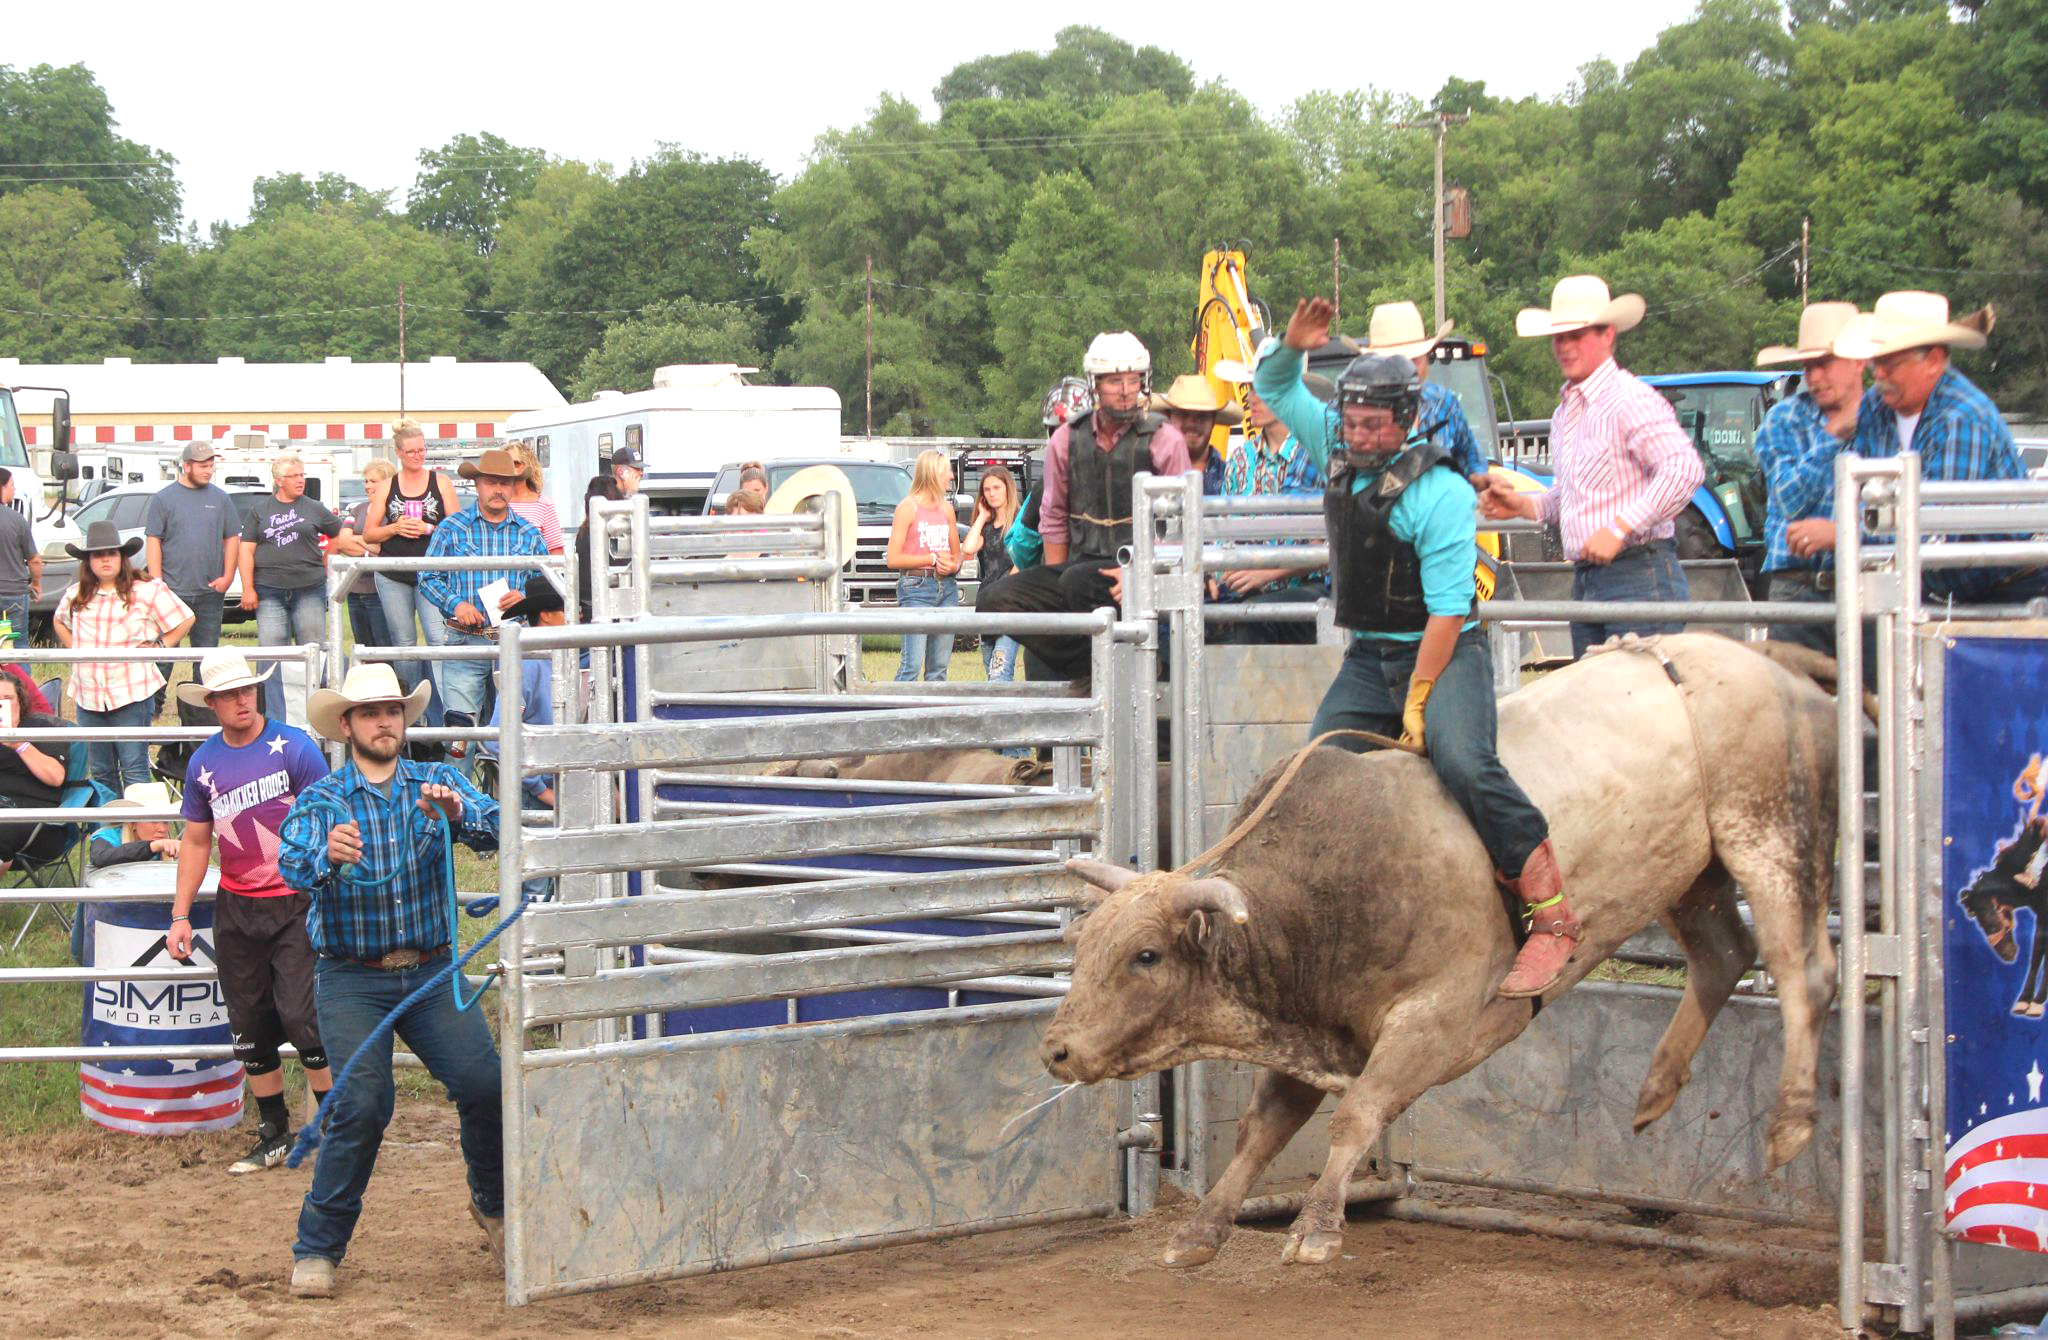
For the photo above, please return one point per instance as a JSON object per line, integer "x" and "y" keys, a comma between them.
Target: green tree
{"x": 1084, "y": 65}
{"x": 466, "y": 186}
{"x": 1705, "y": 306}
{"x": 675, "y": 332}
{"x": 64, "y": 295}
{"x": 272, "y": 197}
{"x": 532, "y": 228}
{"x": 57, "y": 127}
{"x": 2003, "y": 242}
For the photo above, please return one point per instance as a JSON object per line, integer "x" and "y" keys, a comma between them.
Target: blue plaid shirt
{"x": 1442, "y": 420}
{"x": 1797, "y": 453}
{"x": 1283, "y": 467}
{"x": 468, "y": 535}
{"x": 1960, "y": 436}
{"x": 411, "y": 912}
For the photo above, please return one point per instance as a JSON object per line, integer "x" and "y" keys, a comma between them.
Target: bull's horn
{"x": 1212, "y": 894}
{"x": 1109, "y": 878}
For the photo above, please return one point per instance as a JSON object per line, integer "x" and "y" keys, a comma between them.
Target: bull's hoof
{"x": 1788, "y": 1139}
{"x": 1659, "y": 1093}
{"x": 1186, "y": 1257}
{"x": 1312, "y": 1248}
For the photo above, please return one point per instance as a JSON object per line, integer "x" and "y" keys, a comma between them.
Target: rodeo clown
{"x": 1401, "y": 559}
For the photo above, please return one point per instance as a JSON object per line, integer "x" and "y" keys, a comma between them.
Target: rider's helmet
{"x": 1118, "y": 351}
{"x": 1387, "y": 380}
{"x": 1068, "y": 400}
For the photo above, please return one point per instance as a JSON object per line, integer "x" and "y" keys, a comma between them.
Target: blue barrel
{"x": 153, "y": 1097}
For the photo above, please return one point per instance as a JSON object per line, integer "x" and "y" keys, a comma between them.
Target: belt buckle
{"x": 1824, "y": 581}
{"x": 400, "y": 958}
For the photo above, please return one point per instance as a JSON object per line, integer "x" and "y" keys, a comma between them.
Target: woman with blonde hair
{"x": 995, "y": 507}
{"x": 924, "y": 551}
{"x": 528, "y": 502}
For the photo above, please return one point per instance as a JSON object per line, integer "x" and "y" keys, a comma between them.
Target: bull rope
{"x": 333, "y": 813}
{"x": 1287, "y": 776}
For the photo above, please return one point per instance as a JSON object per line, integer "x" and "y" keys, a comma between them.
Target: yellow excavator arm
{"x": 1228, "y": 325}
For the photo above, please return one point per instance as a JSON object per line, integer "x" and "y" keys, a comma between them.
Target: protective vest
{"x": 1099, "y": 485}
{"x": 1377, "y": 577}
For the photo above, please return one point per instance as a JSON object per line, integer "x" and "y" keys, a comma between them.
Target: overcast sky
{"x": 235, "y": 91}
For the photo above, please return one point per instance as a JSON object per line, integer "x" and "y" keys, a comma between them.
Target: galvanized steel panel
{"x": 1270, "y": 685}
{"x": 752, "y": 664}
{"x": 739, "y": 1154}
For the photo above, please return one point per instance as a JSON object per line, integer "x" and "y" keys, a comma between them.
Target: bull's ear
{"x": 1196, "y": 932}
{"x": 1109, "y": 878}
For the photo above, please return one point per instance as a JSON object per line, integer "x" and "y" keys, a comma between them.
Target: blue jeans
{"x": 287, "y": 617}
{"x": 463, "y": 682}
{"x": 1459, "y": 731}
{"x": 208, "y": 607}
{"x": 999, "y": 658}
{"x": 1646, "y": 572}
{"x": 926, "y": 656}
{"x": 455, "y": 1046}
{"x": 120, "y": 764}
{"x": 366, "y": 619}
{"x": 15, "y": 610}
{"x": 411, "y": 622}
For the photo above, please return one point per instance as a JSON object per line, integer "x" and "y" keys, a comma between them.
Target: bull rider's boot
{"x": 1554, "y": 932}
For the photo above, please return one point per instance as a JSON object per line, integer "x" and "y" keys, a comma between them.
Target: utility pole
{"x": 1805, "y": 237}
{"x": 871, "y": 346}
{"x": 1438, "y": 125}
{"x": 401, "y": 348}
{"x": 1336, "y": 283}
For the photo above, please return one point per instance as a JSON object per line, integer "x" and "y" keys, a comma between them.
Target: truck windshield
{"x": 12, "y": 452}
{"x": 1466, "y": 378}
{"x": 1721, "y": 420}
{"x": 876, "y": 487}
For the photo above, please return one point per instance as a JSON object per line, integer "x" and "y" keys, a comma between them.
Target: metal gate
{"x": 849, "y": 1114}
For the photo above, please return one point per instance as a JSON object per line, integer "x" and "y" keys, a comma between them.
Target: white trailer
{"x": 696, "y": 418}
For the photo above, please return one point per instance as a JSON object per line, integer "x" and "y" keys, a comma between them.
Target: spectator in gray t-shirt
{"x": 21, "y": 566}
{"x": 193, "y": 534}
{"x": 284, "y": 571}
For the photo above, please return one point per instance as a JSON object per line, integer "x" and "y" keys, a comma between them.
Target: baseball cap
{"x": 197, "y": 451}
{"x": 629, "y": 456}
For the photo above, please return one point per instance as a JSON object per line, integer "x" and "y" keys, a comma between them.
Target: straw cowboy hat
{"x": 145, "y": 796}
{"x": 1396, "y": 328}
{"x": 1193, "y": 393}
{"x": 497, "y": 461}
{"x": 100, "y": 537}
{"x": 371, "y": 683}
{"x": 1819, "y": 324}
{"x": 1911, "y": 319}
{"x": 223, "y": 669}
{"x": 1577, "y": 302}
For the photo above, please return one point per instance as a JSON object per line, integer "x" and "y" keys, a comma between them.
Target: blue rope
{"x": 350, "y": 875}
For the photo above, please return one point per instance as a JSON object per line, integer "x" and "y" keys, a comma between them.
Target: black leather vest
{"x": 1377, "y": 578}
{"x": 1099, "y": 485}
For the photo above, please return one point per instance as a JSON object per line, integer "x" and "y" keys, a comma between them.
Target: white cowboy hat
{"x": 819, "y": 481}
{"x": 1396, "y": 328}
{"x": 145, "y": 796}
{"x": 1192, "y": 392}
{"x": 1819, "y": 324}
{"x": 371, "y": 683}
{"x": 1579, "y": 301}
{"x": 1232, "y": 371}
{"x": 223, "y": 669}
{"x": 1911, "y": 319}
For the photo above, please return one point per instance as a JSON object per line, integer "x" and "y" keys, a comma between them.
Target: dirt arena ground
{"x": 104, "y": 1235}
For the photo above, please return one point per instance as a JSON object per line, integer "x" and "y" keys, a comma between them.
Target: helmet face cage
{"x": 1386, "y": 380}
{"x": 1114, "y": 352}
{"x": 1069, "y": 399}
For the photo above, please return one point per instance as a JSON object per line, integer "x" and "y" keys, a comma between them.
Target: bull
{"x": 1351, "y": 939}
{"x": 953, "y": 767}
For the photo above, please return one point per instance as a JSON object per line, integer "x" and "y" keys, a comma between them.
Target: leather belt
{"x": 398, "y": 960}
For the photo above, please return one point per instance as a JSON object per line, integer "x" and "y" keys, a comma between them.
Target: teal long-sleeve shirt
{"x": 1437, "y": 515}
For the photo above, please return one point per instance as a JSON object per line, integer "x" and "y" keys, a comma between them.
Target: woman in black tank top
{"x": 426, "y": 506}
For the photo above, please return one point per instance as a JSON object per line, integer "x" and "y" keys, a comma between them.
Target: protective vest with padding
{"x": 1377, "y": 577}
{"x": 1099, "y": 485}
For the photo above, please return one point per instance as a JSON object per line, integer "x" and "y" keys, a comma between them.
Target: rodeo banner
{"x": 1995, "y": 946}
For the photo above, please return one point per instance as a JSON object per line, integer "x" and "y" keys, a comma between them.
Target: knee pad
{"x": 313, "y": 1060}
{"x": 263, "y": 1060}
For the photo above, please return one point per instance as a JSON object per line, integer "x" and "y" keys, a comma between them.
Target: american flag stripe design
{"x": 166, "y": 1088}
{"x": 1997, "y": 1182}
{"x": 153, "y": 1119}
{"x": 1619, "y": 455}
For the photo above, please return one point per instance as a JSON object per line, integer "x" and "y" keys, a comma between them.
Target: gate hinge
{"x": 1142, "y": 1133}
{"x": 1884, "y": 1283}
{"x": 1881, "y": 955}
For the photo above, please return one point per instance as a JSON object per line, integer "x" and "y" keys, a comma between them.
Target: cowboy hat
{"x": 820, "y": 482}
{"x": 497, "y": 462}
{"x": 100, "y": 538}
{"x": 1397, "y": 329}
{"x": 374, "y": 682}
{"x": 1819, "y": 324}
{"x": 1579, "y": 301}
{"x": 144, "y": 796}
{"x": 222, "y": 670}
{"x": 1911, "y": 319}
{"x": 1193, "y": 394}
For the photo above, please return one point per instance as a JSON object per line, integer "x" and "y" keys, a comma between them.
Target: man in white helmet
{"x": 1084, "y": 513}
{"x": 1085, "y": 507}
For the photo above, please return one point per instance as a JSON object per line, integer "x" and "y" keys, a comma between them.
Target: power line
{"x": 1926, "y": 269}
{"x": 1696, "y": 299}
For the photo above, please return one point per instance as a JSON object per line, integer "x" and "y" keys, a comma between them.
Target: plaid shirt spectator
{"x": 1797, "y": 453}
{"x": 1259, "y": 468}
{"x": 1960, "y": 436}
{"x": 1213, "y": 470}
{"x": 1621, "y": 461}
{"x": 468, "y": 535}
{"x": 349, "y": 921}
{"x": 1442, "y": 421}
{"x": 102, "y": 686}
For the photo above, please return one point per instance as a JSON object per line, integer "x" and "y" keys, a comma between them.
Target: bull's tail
{"x": 1809, "y": 664}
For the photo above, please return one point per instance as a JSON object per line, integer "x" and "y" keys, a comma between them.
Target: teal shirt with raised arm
{"x": 1437, "y": 515}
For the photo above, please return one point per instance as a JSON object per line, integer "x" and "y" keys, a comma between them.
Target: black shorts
{"x": 266, "y": 973}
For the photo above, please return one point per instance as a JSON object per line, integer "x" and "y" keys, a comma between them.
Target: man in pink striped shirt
{"x": 1624, "y": 468}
